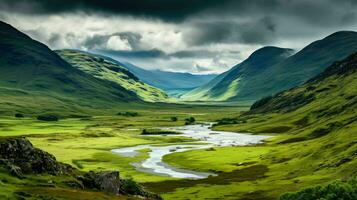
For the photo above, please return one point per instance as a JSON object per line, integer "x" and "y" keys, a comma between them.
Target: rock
{"x": 20, "y": 157}
{"x": 110, "y": 182}
{"x": 107, "y": 181}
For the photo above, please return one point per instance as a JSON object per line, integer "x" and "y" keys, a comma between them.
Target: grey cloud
{"x": 99, "y": 41}
{"x": 258, "y": 31}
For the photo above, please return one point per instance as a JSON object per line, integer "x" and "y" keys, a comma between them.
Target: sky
{"x": 196, "y": 36}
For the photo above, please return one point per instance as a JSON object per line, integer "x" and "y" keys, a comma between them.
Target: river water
{"x": 209, "y": 138}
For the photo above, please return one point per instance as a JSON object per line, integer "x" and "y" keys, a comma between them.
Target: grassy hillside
{"x": 275, "y": 77}
{"x": 104, "y": 69}
{"x": 233, "y": 82}
{"x": 167, "y": 81}
{"x": 314, "y": 128}
{"x": 33, "y": 75}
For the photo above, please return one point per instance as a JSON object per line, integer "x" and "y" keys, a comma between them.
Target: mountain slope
{"x": 314, "y": 127}
{"x": 167, "y": 81}
{"x": 173, "y": 80}
{"x": 104, "y": 69}
{"x": 290, "y": 72}
{"x": 236, "y": 81}
{"x": 29, "y": 69}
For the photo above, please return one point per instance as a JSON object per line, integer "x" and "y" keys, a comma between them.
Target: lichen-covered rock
{"x": 20, "y": 157}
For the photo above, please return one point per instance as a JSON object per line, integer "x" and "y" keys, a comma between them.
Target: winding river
{"x": 203, "y": 133}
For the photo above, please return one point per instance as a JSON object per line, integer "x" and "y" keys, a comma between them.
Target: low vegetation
{"x": 346, "y": 190}
{"x": 128, "y": 114}
{"x": 190, "y": 120}
{"x": 158, "y": 132}
{"x": 48, "y": 117}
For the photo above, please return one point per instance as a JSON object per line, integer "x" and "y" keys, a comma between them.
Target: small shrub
{"x": 174, "y": 119}
{"x": 158, "y": 132}
{"x": 319, "y": 132}
{"x": 190, "y": 120}
{"x": 261, "y": 102}
{"x": 332, "y": 191}
{"x": 302, "y": 122}
{"x": 19, "y": 115}
{"x": 47, "y": 117}
{"x": 128, "y": 114}
{"x": 129, "y": 186}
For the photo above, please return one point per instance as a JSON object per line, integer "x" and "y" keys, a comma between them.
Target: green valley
{"x": 133, "y": 100}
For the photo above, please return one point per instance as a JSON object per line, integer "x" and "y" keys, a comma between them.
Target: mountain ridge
{"x": 290, "y": 72}
{"x": 102, "y": 68}
{"x": 29, "y": 66}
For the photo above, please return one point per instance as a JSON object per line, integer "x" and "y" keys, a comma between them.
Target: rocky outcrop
{"x": 20, "y": 157}
{"x": 107, "y": 181}
{"x": 110, "y": 182}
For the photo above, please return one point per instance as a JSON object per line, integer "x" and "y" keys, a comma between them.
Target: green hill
{"x": 315, "y": 126}
{"x": 242, "y": 84}
{"x": 105, "y": 69}
{"x": 236, "y": 81}
{"x": 170, "y": 82}
{"x": 33, "y": 76}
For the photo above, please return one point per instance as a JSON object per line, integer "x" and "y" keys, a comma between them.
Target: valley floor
{"x": 253, "y": 172}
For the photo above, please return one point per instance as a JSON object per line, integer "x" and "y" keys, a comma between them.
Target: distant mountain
{"x": 237, "y": 84}
{"x": 29, "y": 70}
{"x": 236, "y": 81}
{"x": 105, "y": 69}
{"x": 168, "y": 81}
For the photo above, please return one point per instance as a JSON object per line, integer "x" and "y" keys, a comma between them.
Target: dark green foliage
{"x": 130, "y": 187}
{"x": 261, "y": 102}
{"x": 157, "y": 132}
{"x": 319, "y": 132}
{"x": 128, "y": 114}
{"x": 337, "y": 190}
{"x": 19, "y": 115}
{"x": 190, "y": 120}
{"x": 174, "y": 119}
{"x": 302, "y": 122}
{"x": 226, "y": 121}
{"x": 47, "y": 117}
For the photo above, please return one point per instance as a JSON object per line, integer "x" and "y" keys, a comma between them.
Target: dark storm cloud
{"x": 175, "y": 10}
{"x": 157, "y": 53}
{"x": 255, "y": 32}
{"x": 194, "y": 54}
{"x": 143, "y": 54}
{"x": 165, "y": 9}
{"x": 197, "y": 32}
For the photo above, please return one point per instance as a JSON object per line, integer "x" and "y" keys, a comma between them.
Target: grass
{"x": 287, "y": 162}
{"x": 107, "y": 70}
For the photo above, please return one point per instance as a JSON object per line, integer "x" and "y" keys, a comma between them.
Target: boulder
{"x": 106, "y": 181}
{"x": 20, "y": 157}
